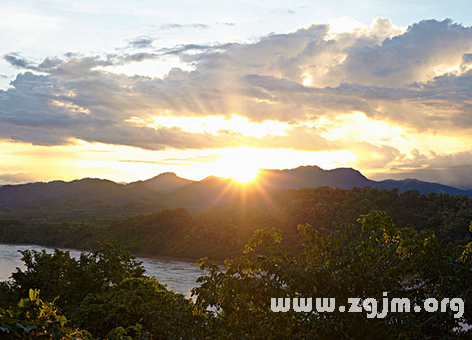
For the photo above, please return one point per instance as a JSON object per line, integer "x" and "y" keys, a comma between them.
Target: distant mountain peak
{"x": 311, "y": 176}
{"x": 90, "y": 179}
{"x": 212, "y": 178}
{"x": 165, "y": 182}
{"x": 349, "y": 171}
{"x": 167, "y": 174}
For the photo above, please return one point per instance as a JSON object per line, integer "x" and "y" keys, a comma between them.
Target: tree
{"x": 144, "y": 309}
{"x": 363, "y": 261}
{"x": 70, "y": 280}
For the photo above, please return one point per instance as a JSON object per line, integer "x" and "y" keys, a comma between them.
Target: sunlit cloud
{"x": 307, "y": 79}
{"x": 357, "y": 126}
{"x": 147, "y": 67}
{"x": 338, "y": 94}
{"x": 219, "y": 124}
{"x": 70, "y": 106}
{"x": 344, "y": 25}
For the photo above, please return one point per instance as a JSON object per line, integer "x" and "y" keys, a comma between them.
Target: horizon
{"x": 173, "y": 173}
{"x": 252, "y": 181}
{"x": 122, "y": 91}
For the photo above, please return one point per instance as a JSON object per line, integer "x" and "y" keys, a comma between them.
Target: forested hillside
{"x": 223, "y": 230}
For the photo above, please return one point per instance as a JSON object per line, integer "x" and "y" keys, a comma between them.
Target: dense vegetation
{"x": 105, "y": 295}
{"x": 222, "y": 231}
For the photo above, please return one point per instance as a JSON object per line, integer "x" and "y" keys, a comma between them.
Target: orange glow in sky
{"x": 379, "y": 96}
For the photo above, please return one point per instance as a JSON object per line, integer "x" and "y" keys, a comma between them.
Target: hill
{"x": 169, "y": 190}
{"x": 87, "y": 189}
{"x": 163, "y": 183}
{"x": 214, "y": 191}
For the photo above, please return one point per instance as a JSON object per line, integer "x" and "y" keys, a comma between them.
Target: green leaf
{"x": 33, "y": 294}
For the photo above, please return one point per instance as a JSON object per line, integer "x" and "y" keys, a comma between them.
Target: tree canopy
{"x": 105, "y": 295}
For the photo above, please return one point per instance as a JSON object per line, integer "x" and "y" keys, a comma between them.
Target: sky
{"x": 125, "y": 90}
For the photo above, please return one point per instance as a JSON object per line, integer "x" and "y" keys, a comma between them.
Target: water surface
{"x": 179, "y": 276}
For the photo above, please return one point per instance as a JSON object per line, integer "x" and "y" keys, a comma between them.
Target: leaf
{"x": 62, "y": 319}
{"x": 33, "y": 294}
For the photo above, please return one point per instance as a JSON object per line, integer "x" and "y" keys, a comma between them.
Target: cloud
{"x": 141, "y": 42}
{"x": 16, "y": 60}
{"x": 413, "y": 56}
{"x": 226, "y": 23}
{"x": 178, "y": 161}
{"x": 452, "y": 169}
{"x": 96, "y": 106}
{"x": 419, "y": 79}
{"x": 18, "y": 178}
{"x": 173, "y": 26}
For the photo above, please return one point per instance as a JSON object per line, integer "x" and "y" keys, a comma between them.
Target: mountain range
{"x": 169, "y": 190}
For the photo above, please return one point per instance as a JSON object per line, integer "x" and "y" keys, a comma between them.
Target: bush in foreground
{"x": 34, "y": 319}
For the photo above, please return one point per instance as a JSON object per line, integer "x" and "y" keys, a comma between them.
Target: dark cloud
{"x": 42, "y": 110}
{"x": 16, "y": 60}
{"x": 137, "y": 57}
{"x": 36, "y": 119}
{"x": 408, "y": 57}
{"x": 141, "y": 42}
{"x": 183, "y": 50}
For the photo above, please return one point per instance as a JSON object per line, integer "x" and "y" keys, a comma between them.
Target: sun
{"x": 245, "y": 175}
{"x": 240, "y": 164}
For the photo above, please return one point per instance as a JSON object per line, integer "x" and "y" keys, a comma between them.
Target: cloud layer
{"x": 419, "y": 79}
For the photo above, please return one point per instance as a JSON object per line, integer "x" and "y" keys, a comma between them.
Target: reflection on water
{"x": 178, "y": 276}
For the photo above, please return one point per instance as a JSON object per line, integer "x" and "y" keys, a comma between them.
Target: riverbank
{"x": 137, "y": 254}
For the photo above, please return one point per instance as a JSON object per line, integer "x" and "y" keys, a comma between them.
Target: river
{"x": 179, "y": 276}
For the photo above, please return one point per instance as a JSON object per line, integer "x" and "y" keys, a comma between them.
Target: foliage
{"x": 33, "y": 319}
{"x": 354, "y": 261}
{"x": 60, "y": 275}
{"x": 162, "y": 231}
{"x": 105, "y": 292}
{"x": 222, "y": 230}
{"x": 145, "y": 309}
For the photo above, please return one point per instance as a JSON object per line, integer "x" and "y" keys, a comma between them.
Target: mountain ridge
{"x": 165, "y": 182}
{"x": 171, "y": 190}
